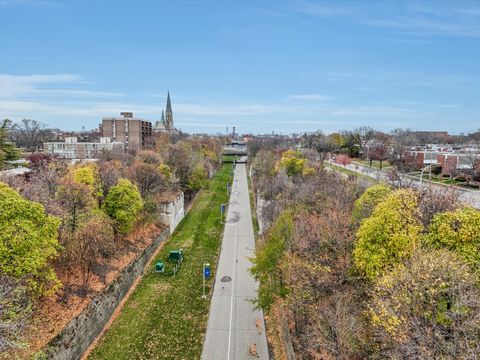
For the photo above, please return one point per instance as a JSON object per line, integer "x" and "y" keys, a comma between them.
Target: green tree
{"x": 8, "y": 152}
{"x": 198, "y": 178}
{"x": 366, "y": 203}
{"x": 458, "y": 231}
{"x": 28, "y": 241}
{"x": 389, "y": 235}
{"x": 267, "y": 260}
{"x": 123, "y": 204}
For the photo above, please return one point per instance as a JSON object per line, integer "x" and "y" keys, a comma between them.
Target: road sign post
{"x": 222, "y": 211}
{"x": 206, "y": 275}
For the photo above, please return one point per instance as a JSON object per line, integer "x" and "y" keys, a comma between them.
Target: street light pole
{"x": 421, "y": 174}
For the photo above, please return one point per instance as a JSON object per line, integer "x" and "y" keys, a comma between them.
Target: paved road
{"x": 233, "y": 330}
{"x": 466, "y": 196}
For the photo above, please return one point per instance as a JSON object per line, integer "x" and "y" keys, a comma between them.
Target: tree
{"x": 366, "y": 203}
{"x": 123, "y": 204}
{"x": 198, "y": 179}
{"x": 93, "y": 239}
{"x": 389, "y": 235}
{"x": 401, "y": 139}
{"x": 15, "y": 308}
{"x": 267, "y": 260}
{"x": 343, "y": 160}
{"x": 458, "y": 231}
{"x": 8, "y": 152}
{"x": 87, "y": 174}
{"x": 148, "y": 178}
{"x": 30, "y": 134}
{"x": 427, "y": 308}
{"x": 361, "y": 136}
{"x": 291, "y": 162}
{"x": 77, "y": 200}
{"x": 28, "y": 241}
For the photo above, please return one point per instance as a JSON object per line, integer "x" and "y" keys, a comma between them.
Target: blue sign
{"x": 222, "y": 208}
{"x": 207, "y": 271}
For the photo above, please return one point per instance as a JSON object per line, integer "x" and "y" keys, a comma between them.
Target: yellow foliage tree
{"x": 389, "y": 235}
{"x": 458, "y": 231}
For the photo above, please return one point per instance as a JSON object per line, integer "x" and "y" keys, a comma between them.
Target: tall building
{"x": 135, "y": 133}
{"x": 166, "y": 122}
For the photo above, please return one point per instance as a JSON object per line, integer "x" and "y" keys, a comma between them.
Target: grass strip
{"x": 166, "y": 317}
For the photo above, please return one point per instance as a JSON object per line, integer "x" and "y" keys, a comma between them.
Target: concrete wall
{"x": 75, "y": 338}
{"x": 172, "y": 212}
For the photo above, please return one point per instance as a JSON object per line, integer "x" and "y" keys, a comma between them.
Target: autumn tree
{"x": 94, "y": 238}
{"x": 147, "y": 177}
{"x": 15, "y": 309}
{"x": 366, "y": 203}
{"x": 123, "y": 204}
{"x": 343, "y": 160}
{"x": 292, "y": 163}
{"x": 28, "y": 241}
{"x": 389, "y": 235}
{"x": 427, "y": 308}
{"x": 458, "y": 231}
{"x": 77, "y": 200}
{"x": 87, "y": 174}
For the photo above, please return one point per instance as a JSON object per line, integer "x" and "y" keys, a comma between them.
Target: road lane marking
{"x": 231, "y": 295}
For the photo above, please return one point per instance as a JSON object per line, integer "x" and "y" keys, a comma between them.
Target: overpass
{"x": 234, "y": 149}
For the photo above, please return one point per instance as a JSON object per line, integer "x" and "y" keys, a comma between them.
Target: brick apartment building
{"x": 450, "y": 162}
{"x": 135, "y": 133}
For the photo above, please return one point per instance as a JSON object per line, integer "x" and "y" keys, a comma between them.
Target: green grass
{"x": 165, "y": 317}
{"x": 375, "y": 164}
{"x": 350, "y": 172}
{"x": 228, "y": 158}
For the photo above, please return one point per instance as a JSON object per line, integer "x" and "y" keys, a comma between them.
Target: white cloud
{"x": 324, "y": 10}
{"x": 32, "y": 85}
{"x": 317, "y": 97}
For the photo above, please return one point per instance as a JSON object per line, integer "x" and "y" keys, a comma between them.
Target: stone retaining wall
{"x": 172, "y": 212}
{"x": 78, "y": 334}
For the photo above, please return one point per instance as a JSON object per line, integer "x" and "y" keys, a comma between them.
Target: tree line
{"x": 64, "y": 218}
{"x": 361, "y": 271}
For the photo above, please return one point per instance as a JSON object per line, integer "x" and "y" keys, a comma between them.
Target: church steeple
{"x": 169, "y": 104}
{"x": 162, "y": 119}
{"x": 169, "y": 114}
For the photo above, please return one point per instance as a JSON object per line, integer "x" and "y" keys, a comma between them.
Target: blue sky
{"x": 286, "y": 66}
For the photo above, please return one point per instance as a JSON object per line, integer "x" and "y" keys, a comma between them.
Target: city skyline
{"x": 263, "y": 66}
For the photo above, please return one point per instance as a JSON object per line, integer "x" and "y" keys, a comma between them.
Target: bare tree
{"x": 30, "y": 134}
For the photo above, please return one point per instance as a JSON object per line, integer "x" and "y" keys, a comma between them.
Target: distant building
{"x": 135, "y": 133}
{"x": 425, "y": 137}
{"x": 72, "y": 149}
{"x": 450, "y": 161}
{"x": 166, "y": 121}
